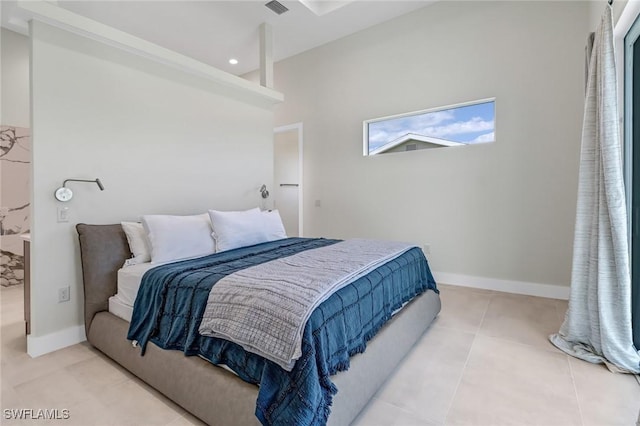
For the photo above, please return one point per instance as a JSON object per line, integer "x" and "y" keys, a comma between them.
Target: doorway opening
{"x": 287, "y": 177}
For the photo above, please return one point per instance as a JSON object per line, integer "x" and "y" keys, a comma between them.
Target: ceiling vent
{"x": 277, "y": 7}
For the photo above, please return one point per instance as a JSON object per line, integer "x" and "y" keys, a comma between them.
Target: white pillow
{"x": 245, "y": 228}
{"x": 237, "y": 228}
{"x": 273, "y": 227}
{"x": 138, "y": 243}
{"x": 178, "y": 237}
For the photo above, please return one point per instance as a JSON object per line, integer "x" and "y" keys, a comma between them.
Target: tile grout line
{"x": 464, "y": 367}
{"x": 484, "y": 314}
{"x": 575, "y": 389}
{"x": 550, "y": 348}
{"x": 409, "y": 412}
{"x": 525, "y": 345}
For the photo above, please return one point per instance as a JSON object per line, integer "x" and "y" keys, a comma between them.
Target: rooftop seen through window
{"x": 462, "y": 124}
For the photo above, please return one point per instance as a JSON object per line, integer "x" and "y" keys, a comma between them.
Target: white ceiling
{"x": 215, "y": 31}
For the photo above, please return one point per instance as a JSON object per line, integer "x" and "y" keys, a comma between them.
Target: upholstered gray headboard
{"x": 103, "y": 250}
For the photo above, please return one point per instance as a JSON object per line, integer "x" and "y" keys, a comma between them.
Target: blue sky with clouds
{"x": 467, "y": 124}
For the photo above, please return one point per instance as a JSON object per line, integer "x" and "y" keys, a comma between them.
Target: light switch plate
{"x": 64, "y": 294}
{"x": 63, "y": 214}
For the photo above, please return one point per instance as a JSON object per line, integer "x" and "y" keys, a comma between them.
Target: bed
{"x": 213, "y": 394}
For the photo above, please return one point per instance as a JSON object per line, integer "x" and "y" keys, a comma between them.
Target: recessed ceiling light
{"x": 233, "y": 61}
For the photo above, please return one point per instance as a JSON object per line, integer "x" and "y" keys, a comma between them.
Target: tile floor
{"x": 485, "y": 361}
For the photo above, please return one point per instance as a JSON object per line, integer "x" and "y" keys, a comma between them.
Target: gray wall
{"x": 503, "y": 210}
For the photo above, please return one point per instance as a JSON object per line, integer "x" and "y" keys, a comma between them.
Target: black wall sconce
{"x": 264, "y": 192}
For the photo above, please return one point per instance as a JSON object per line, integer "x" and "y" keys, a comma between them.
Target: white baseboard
{"x": 40, "y": 345}
{"x": 518, "y": 287}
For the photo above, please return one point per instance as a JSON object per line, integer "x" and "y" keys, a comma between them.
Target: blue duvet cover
{"x": 172, "y": 299}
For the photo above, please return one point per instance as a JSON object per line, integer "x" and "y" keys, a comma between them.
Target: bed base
{"x": 213, "y": 394}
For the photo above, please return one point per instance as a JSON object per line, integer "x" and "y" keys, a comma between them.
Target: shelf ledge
{"x": 69, "y": 21}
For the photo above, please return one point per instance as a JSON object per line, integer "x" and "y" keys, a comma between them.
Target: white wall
{"x": 502, "y": 211}
{"x": 15, "y": 79}
{"x": 161, "y": 141}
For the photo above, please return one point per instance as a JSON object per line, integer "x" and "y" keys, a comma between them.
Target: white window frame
{"x": 365, "y": 123}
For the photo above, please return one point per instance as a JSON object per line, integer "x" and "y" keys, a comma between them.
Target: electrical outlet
{"x": 64, "y": 294}
{"x": 426, "y": 249}
{"x": 63, "y": 214}
{"x": 318, "y": 203}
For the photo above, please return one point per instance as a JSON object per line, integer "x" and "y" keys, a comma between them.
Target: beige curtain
{"x": 597, "y": 327}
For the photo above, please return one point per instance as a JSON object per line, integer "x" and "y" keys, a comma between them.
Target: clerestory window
{"x": 454, "y": 125}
